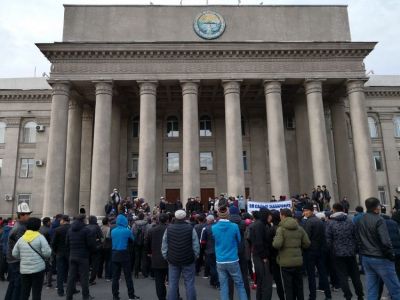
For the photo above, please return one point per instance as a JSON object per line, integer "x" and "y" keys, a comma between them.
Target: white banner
{"x": 253, "y": 205}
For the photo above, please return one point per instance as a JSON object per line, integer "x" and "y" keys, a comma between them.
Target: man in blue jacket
{"x": 227, "y": 240}
{"x": 120, "y": 236}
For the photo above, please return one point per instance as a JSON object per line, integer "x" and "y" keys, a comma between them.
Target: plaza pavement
{"x": 145, "y": 288}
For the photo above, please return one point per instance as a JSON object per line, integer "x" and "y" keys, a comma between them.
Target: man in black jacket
{"x": 153, "y": 249}
{"x": 314, "y": 255}
{"x": 377, "y": 251}
{"x": 96, "y": 255}
{"x": 60, "y": 249}
{"x": 80, "y": 243}
{"x": 261, "y": 243}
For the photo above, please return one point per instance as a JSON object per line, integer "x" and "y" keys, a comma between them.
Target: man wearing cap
{"x": 180, "y": 247}
{"x": 314, "y": 255}
{"x": 227, "y": 241}
{"x": 14, "y": 276}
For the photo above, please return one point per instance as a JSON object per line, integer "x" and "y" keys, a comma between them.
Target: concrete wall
{"x": 125, "y": 23}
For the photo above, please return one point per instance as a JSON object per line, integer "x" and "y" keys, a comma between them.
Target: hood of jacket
{"x": 30, "y": 235}
{"x": 289, "y": 223}
{"x": 92, "y": 220}
{"x": 122, "y": 221}
{"x": 77, "y": 226}
{"x": 339, "y": 216}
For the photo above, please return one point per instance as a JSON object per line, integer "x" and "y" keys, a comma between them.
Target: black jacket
{"x": 261, "y": 241}
{"x": 373, "y": 237}
{"x": 242, "y": 227}
{"x": 58, "y": 244}
{"x": 16, "y": 232}
{"x": 153, "y": 246}
{"x": 315, "y": 230}
{"x": 80, "y": 241}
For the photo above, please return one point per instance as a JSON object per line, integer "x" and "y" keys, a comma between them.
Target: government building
{"x": 181, "y": 101}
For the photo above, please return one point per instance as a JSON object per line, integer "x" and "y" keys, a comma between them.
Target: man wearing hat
{"x": 14, "y": 285}
{"x": 314, "y": 255}
{"x": 180, "y": 247}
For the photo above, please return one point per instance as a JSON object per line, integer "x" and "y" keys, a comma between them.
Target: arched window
{"x": 205, "y": 126}
{"x": 397, "y": 126}
{"x": 373, "y": 127}
{"x": 2, "y": 132}
{"x": 172, "y": 126}
{"x": 29, "y": 135}
{"x": 135, "y": 127}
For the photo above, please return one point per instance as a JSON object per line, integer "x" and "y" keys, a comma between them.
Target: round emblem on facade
{"x": 209, "y": 25}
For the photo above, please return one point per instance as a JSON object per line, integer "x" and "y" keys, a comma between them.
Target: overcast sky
{"x": 25, "y": 22}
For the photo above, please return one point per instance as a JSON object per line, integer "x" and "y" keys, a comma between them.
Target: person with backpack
{"x": 33, "y": 250}
{"x": 139, "y": 231}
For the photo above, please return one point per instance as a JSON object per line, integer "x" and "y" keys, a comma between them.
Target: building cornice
{"x": 25, "y": 96}
{"x": 382, "y": 91}
{"x": 214, "y": 50}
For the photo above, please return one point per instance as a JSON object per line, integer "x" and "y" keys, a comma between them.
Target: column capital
{"x": 148, "y": 87}
{"x": 273, "y": 86}
{"x": 190, "y": 87}
{"x": 60, "y": 87}
{"x": 74, "y": 104}
{"x": 103, "y": 87}
{"x": 231, "y": 86}
{"x": 313, "y": 85}
{"x": 355, "y": 85}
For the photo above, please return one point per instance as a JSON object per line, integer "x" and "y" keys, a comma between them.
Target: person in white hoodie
{"x": 32, "y": 249}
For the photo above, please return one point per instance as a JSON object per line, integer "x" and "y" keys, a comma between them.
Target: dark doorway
{"x": 171, "y": 195}
{"x": 205, "y": 194}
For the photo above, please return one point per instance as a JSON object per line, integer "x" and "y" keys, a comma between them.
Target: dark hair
{"x": 163, "y": 218}
{"x": 33, "y": 224}
{"x": 286, "y": 212}
{"x": 337, "y": 207}
{"x": 201, "y": 218}
{"x": 58, "y": 216}
{"x": 359, "y": 209}
{"x": 65, "y": 218}
{"x": 80, "y": 218}
{"x": 371, "y": 204}
{"x": 141, "y": 216}
{"x": 46, "y": 220}
{"x": 105, "y": 221}
{"x": 256, "y": 215}
{"x": 92, "y": 220}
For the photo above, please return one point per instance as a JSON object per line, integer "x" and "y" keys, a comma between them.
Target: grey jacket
{"x": 31, "y": 262}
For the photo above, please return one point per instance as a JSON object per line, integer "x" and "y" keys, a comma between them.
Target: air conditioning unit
{"x": 40, "y": 128}
{"x": 398, "y": 189}
{"x": 39, "y": 163}
{"x": 8, "y": 197}
{"x": 132, "y": 175}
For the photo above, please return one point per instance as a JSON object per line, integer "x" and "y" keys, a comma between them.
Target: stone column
{"x": 319, "y": 149}
{"x": 366, "y": 177}
{"x": 86, "y": 157}
{"x": 115, "y": 145}
{"x": 73, "y": 159}
{"x": 55, "y": 172}
{"x": 147, "y": 141}
{"x": 344, "y": 161}
{"x": 100, "y": 187}
{"x": 123, "y": 156}
{"x": 233, "y": 129}
{"x": 276, "y": 139}
{"x": 191, "y": 164}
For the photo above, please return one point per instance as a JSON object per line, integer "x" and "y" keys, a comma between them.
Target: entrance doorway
{"x": 204, "y": 195}
{"x": 171, "y": 195}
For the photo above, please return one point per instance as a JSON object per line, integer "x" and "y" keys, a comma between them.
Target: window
{"x": 135, "y": 163}
{"x": 172, "y": 127}
{"x": 377, "y": 160}
{"x": 205, "y": 126}
{"x": 382, "y": 194}
{"x": 135, "y": 127}
{"x": 206, "y": 161}
{"x": 172, "y": 162}
{"x": 2, "y": 132}
{"x": 290, "y": 122}
{"x": 1, "y": 165}
{"x": 243, "y": 127}
{"x": 24, "y": 198}
{"x": 134, "y": 194}
{"x": 29, "y": 135}
{"x": 26, "y": 170}
{"x": 396, "y": 126}
{"x": 373, "y": 127}
{"x": 245, "y": 161}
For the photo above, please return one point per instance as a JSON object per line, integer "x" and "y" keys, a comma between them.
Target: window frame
{"x": 136, "y": 127}
{"x": 170, "y": 159}
{"x": 134, "y": 157}
{"x": 396, "y": 125}
{"x": 1, "y": 165}
{"x": 32, "y": 133}
{"x": 205, "y": 120}
{"x": 24, "y": 194}
{"x": 172, "y": 121}
{"x": 382, "y": 195}
{"x": 375, "y": 158}
{"x": 375, "y": 124}
{"x": 3, "y": 128}
{"x": 205, "y": 168}
{"x": 245, "y": 161}
{"x": 29, "y": 170}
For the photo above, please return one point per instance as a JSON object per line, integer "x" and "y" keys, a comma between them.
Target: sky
{"x": 26, "y": 22}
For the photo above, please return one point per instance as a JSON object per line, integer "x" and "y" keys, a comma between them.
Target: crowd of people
{"x": 232, "y": 248}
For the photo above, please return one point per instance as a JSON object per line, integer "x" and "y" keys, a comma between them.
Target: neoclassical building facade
{"x": 183, "y": 101}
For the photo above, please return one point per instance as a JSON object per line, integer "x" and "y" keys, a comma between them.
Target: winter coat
{"x": 58, "y": 243}
{"x": 16, "y": 232}
{"x": 4, "y": 239}
{"x": 315, "y": 230}
{"x": 290, "y": 239}
{"x": 31, "y": 262}
{"x": 153, "y": 246}
{"x": 394, "y": 233}
{"x": 80, "y": 241}
{"x": 341, "y": 235}
{"x": 261, "y": 239}
{"x": 242, "y": 227}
